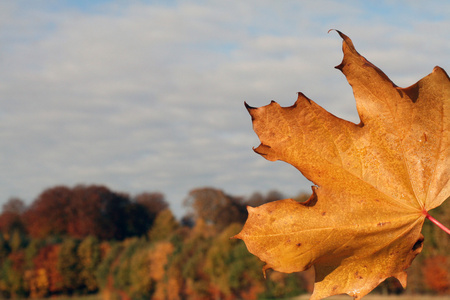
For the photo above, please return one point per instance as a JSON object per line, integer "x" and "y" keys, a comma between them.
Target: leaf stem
{"x": 440, "y": 225}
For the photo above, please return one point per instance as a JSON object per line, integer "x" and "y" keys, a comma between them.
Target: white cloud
{"x": 147, "y": 97}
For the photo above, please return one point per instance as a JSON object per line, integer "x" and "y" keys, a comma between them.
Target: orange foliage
{"x": 436, "y": 272}
{"x": 252, "y": 292}
{"x": 46, "y": 264}
{"x": 165, "y": 289}
{"x": 37, "y": 282}
{"x": 173, "y": 289}
{"x": 159, "y": 258}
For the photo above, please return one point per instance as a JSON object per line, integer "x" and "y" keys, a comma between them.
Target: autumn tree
{"x": 89, "y": 210}
{"x": 11, "y": 218}
{"x": 96, "y": 210}
{"x": 84, "y": 211}
{"x": 154, "y": 203}
{"x": 45, "y": 278}
{"x": 14, "y": 205}
{"x": 47, "y": 214}
{"x": 215, "y": 207}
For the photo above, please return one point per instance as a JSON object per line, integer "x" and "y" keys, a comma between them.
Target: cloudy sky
{"x": 148, "y": 95}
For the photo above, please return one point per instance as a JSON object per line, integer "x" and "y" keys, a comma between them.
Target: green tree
{"x": 31, "y": 251}
{"x": 141, "y": 283}
{"x": 164, "y": 226}
{"x": 89, "y": 258}
{"x": 189, "y": 260}
{"x": 17, "y": 240}
{"x": 123, "y": 270}
{"x": 234, "y": 272}
{"x": 69, "y": 265}
{"x": 11, "y": 276}
{"x": 104, "y": 269}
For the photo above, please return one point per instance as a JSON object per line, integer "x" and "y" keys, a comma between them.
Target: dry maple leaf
{"x": 375, "y": 181}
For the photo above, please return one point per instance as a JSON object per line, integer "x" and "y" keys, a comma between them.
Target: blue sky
{"x": 146, "y": 96}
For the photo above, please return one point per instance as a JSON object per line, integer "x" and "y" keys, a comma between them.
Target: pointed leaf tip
{"x": 342, "y": 35}
{"x": 402, "y": 278}
{"x": 236, "y": 237}
{"x": 248, "y": 107}
{"x": 250, "y": 209}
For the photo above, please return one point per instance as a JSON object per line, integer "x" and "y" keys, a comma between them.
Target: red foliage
{"x": 18, "y": 260}
{"x": 436, "y": 273}
{"x": 84, "y": 213}
{"x": 89, "y": 210}
{"x": 47, "y": 215}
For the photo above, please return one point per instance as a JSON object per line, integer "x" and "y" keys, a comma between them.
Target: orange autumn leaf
{"x": 375, "y": 181}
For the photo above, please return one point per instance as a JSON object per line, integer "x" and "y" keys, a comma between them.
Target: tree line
{"x": 90, "y": 239}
